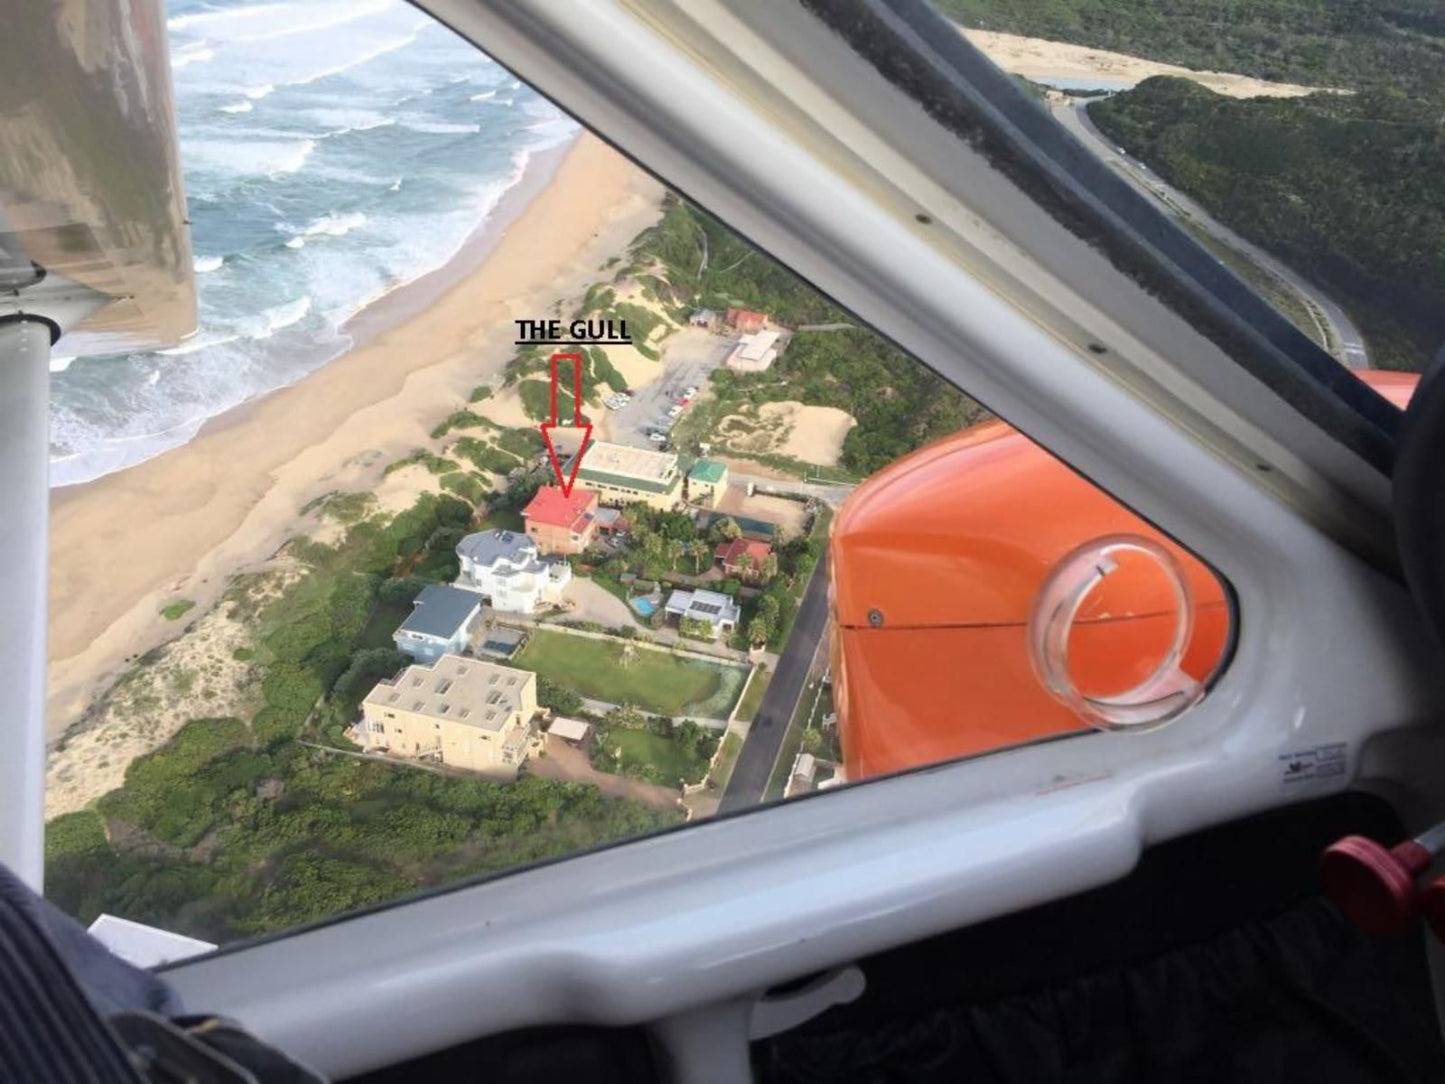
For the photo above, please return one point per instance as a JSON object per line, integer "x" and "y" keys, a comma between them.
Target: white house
{"x": 505, "y": 567}
{"x": 440, "y": 624}
{"x": 716, "y": 610}
{"x": 754, "y": 353}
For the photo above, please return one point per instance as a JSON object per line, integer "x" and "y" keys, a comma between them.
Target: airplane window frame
{"x": 912, "y": 45}
{"x": 1042, "y": 826}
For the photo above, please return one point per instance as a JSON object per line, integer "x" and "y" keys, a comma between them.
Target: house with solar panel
{"x": 718, "y": 612}
{"x": 441, "y": 621}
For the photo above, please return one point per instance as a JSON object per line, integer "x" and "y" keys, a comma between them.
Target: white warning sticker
{"x": 1318, "y": 762}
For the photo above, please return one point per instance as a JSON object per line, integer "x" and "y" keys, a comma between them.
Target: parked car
{"x": 690, "y": 392}
{"x": 673, "y": 412}
{"x": 657, "y": 438}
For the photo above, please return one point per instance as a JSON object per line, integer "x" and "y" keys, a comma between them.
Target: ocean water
{"x": 333, "y": 150}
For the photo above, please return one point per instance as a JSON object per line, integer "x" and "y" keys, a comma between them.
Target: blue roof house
{"x": 440, "y": 624}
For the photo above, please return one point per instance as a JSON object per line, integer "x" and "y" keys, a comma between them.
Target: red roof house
{"x": 731, "y": 554}
{"x": 746, "y": 321}
{"x": 559, "y": 523}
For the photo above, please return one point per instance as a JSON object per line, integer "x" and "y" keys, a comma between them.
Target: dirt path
{"x": 570, "y": 765}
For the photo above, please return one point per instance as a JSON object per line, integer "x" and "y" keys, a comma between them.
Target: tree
{"x": 769, "y": 567}
{"x": 696, "y": 628}
{"x": 812, "y": 741}
{"x": 674, "y": 548}
{"x": 400, "y": 589}
{"x": 724, "y": 530}
{"x": 557, "y": 698}
{"x": 760, "y": 629}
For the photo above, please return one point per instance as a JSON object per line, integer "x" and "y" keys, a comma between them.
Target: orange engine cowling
{"x": 936, "y": 562}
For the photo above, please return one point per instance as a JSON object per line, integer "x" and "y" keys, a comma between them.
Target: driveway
{"x": 593, "y": 603}
{"x": 688, "y": 358}
{"x": 570, "y": 765}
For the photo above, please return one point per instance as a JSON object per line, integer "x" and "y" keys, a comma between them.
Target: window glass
{"x": 506, "y": 505}
{"x": 1299, "y": 144}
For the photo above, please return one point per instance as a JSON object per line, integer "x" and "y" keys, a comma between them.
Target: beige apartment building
{"x": 461, "y": 712}
{"x": 621, "y": 475}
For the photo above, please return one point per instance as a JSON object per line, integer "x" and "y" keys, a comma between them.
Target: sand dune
{"x": 814, "y": 434}
{"x": 1035, "y": 58}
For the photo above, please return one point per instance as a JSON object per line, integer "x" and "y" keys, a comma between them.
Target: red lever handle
{"x": 1375, "y": 887}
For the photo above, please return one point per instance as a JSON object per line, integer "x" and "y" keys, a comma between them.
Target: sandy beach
{"x": 181, "y": 525}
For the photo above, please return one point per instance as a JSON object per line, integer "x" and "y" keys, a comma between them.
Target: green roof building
{"x": 706, "y": 482}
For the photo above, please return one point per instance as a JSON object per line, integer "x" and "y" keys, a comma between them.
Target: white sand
{"x": 1036, "y": 58}
{"x": 813, "y": 434}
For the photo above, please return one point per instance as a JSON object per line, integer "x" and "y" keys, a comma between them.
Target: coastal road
{"x": 755, "y": 763}
{"x": 1347, "y": 344}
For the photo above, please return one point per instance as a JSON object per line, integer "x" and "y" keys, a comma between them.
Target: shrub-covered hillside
{"x": 1346, "y": 189}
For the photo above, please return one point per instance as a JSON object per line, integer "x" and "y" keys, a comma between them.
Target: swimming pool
{"x": 645, "y": 606}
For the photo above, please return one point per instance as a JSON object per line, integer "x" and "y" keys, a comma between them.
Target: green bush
{"x": 433, "y": 462}
{"x": 468, "y": 486}
{"x": 171, "y": 793}
{"x": 458, "y": 419}
{"x": 479, "y": 393}
{"x": 522, "y": 442}
{"x": 400, "y": 589}
{"x": 289, "y": 692}
{"x": 558, "y": 698}
{"x": 485, "y": 456}
{"x": 604, "y": 371}
{"x": 537, "y": 400}
{"x": 177, "y": 610}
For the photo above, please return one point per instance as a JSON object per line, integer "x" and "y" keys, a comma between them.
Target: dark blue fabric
{"x": 51, "y": 1028}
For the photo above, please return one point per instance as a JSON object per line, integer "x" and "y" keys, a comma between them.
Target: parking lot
{"x": 689, "y": 357}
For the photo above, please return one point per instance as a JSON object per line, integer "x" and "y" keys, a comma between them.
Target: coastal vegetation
{"x": 174, "y": 611}
{"x": 219, "y": 837}
{"x": 244, "y": 825}
{"x": 1344, "y": 188}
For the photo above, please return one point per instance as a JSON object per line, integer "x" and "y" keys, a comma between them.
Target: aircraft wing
{"x": 90, "y": 182}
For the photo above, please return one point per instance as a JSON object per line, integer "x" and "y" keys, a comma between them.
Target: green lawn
{"x": 385, "y": 619}
{"x": 753, "y": 698}
{"x": 642, "y": 747}
{"x": 653, "y": 681}
{"x": 726, "y": 761}
{"x": 505, "y": 519}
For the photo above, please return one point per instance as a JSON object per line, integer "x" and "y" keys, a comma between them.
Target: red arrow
{"x": 586, "y": 427}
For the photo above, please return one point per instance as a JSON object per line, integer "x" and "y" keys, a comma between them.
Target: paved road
{"x": 755, "y": 763}
{"x": 1345, "y": 337}
{"x": 831, "y": 493}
